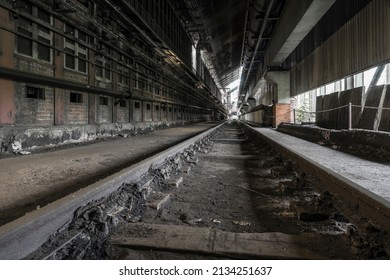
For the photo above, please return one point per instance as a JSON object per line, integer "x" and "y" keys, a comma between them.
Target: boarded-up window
{"x": 76, "y": 97}
{"x": 35, "y": 93}
{"x": 103, "y": 101}
{"x": 123, "y": 103}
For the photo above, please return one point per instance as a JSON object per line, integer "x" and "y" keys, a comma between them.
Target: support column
{"x": 92, "y": 98}
{"x": 58, "y": 60}
{"x": 281, "y": 104}
{"x": 7, "y": 87}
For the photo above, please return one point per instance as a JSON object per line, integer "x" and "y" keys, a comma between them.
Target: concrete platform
{"x": 368, "y": 177}
{"x": 32, "y": 181}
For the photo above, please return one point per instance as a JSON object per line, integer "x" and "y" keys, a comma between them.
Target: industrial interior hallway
{"x": 191, "y": 129}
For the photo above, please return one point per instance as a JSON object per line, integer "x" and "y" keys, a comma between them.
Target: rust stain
{"x": 7, "y": 102}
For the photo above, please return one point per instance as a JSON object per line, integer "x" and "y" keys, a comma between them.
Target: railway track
{"x": 226, "y": 194}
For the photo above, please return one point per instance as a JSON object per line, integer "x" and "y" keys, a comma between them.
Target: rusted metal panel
{"x": 385, "y": 119}
{"x": 7, "y": 88}
{"x": 92, "y": 108}
{"x": 353, "y": 96}
{"x": 361, "y": 43}
{"x": 373, "y": 99}
{"x": 330, "y": 101}
{"x": 59, "y": 106}
{"x": 7, "y": 102}
{"x": 319, "y": 116}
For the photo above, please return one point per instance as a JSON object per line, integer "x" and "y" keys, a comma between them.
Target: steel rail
{"x": 23, "y": 236}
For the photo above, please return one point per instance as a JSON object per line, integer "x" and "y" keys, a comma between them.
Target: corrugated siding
{"x": 361, "y": 43}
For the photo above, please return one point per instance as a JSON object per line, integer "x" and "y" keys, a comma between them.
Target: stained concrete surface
{"x": 31, "y": 181}
{"x": 218, "y": 187}
{"x": 371, "y": 176}
{"x": 235, "y": 195}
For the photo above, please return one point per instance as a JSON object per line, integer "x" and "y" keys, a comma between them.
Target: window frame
{"x": 101, "y": 63}
{"x": 40, "y": 93}
{"x": 38, "y": 36}
{"x": 79, "y": 98}
{"x": 74, "y": 49}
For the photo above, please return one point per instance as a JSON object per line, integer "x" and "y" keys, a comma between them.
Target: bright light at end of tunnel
{"x": 234, "y": 94}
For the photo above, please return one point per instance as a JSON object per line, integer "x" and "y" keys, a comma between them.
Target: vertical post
{"x": 294, "y": 115}
{"x": 349, "y": 116}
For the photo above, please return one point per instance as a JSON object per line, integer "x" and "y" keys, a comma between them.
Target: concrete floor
{"x": 32, "y": 181}
{"x": 369, "y": 177}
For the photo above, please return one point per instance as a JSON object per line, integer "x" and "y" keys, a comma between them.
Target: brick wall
{"x": 147, "y": 111}
{"x": 122, "y": 115}
{"x": 164, "y": 113}
{"x": 281, "y": 113}
{"x": 169, "y": 112}
{"x": 75, "y": 76}
{"x": 156, "y": 111}
{"x": 104, "y": 112}
{"x": 137, "y": 112}
{"x": 31, "y": 110}
{"x": 33, "y": 66}
{"x": 55, "y": 108}
{"x": 76, "y": 113}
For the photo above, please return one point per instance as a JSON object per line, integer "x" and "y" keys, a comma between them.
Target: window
{"x": 76, "y": 54}
{"x": 25, "y": 7}
{"x": 123, "y": 103}
{"x": 76, "y": 97}
{"x": 157, "y": 108}
{"x": 34, "y": 39}
{"x": 103, "y": 68}
{"x": 24, "y": 45}
{"x": 148, "y": 107}
{"x": 138, "y": 81}
{"x": 149, "y": 85}
{"x": 103, "y": 101}
{"x": 123, "y": 76}
{"x": 137, "y": 105}
{"x": 107, "y": 72}
{"x": 99, "y": 68}
{"x": 88, "y": 6}
{"x": 34, "y": 92}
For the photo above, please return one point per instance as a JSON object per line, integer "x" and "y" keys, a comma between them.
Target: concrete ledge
{"x": 346, "y": 140}
{"x": 19, "y": 139}
{"x": 356, "y": 193}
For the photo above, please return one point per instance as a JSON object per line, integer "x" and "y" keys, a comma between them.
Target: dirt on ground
{"x": 228, "y": 182}
{"x": 29, "y": 182}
